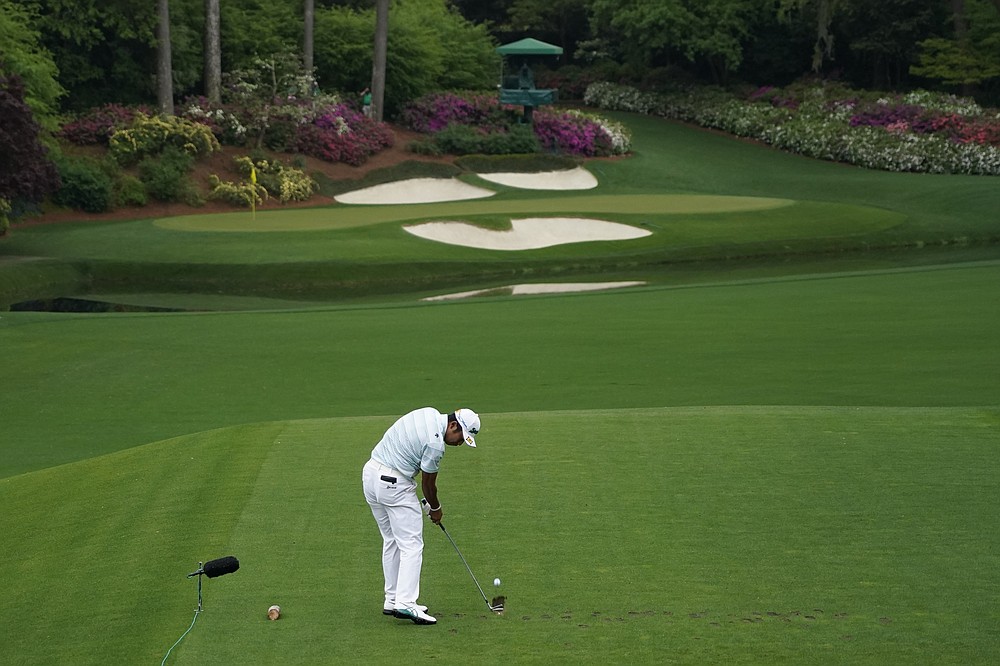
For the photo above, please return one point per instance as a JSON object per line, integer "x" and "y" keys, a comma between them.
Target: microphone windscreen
{"x": 221, "y": 566}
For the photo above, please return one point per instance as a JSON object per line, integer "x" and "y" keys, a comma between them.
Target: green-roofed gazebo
{"x": 520, "y": 88}
{"x": 529, "y": 46}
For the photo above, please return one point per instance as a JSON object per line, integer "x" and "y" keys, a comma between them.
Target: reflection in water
{"x": 543, "y": 288}
{"x": 83, "y": 305}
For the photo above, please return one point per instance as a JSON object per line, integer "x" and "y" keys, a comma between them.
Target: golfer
{"x": 414, "y": 444}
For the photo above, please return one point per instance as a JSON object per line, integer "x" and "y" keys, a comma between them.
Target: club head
{"x": 497, "y": 605}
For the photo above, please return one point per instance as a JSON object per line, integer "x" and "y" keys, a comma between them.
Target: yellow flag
{"x": 253, "y": 194}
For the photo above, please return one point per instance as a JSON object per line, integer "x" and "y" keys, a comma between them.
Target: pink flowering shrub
{"x": 903, "y": 118}
{"x": 434, "y": 112}
{"x": 571, "y": 133}
{"x": 342, "y": 134}
{"x": 97, "y": 125}
{"x": 775, "y": 97}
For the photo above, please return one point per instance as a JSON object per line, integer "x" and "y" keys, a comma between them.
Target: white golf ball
{"x": 496, "y": 582}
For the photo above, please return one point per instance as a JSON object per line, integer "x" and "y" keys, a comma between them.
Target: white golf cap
{"x": 469, "y": 421}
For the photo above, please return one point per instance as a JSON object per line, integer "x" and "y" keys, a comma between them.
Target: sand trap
{"x": 541, "y": 288}
{"x": 415, "y": 190}
{"x": 527, "y": 234}
{"x": 571, "y": 179}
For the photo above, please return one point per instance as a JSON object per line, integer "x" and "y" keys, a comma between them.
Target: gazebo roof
{"x": 529, "y": 46}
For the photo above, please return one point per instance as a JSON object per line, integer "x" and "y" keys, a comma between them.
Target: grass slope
{"x": 92, "y": 384}
{"x": 676, "y": 535}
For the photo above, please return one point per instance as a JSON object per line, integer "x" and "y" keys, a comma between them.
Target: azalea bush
{"x": 342, "y": 134}
{"x": 97, "y": 125}
{"x": 283, "y": 182}
{"x": 223, "y": 120}
{"x": 920, "y": 131}
{"x": 150, "y": 135}
{"x": 477, "y": 123}
{"x": 572, "y": 132}
{"x": 273, "y": 180}
{"x": 436, "y": 111}
{"x": 236, "y": 193}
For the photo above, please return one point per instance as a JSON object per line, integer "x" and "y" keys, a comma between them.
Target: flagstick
{"x": 253, "y": 193}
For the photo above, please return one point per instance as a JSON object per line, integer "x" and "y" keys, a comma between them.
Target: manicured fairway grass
{"x": 674, "y": 535}
{"x": 341, "y": 217}
{"x": 374, "y": 234}
{"x": 91, "y": 384}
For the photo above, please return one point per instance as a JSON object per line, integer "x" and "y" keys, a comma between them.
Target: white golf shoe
{"x": 390, "y": 608}
{"x": 415, "y": 615}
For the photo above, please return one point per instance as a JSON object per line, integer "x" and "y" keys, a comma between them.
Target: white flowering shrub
{"x": 620, "y": 136}
{"x": 919, "y": 132}
{"x": 942, "y": 102}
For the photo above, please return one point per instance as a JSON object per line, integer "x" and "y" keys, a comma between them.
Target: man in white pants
{"x": 414, "y": 444}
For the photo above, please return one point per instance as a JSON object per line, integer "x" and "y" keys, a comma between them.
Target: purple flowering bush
{"x": 570, "y": 132}
{"x": 342, "y": 134}
{"x": 901, "y": 118}
{"x": 434, "y": 112}
{"x": 97, "y": 125}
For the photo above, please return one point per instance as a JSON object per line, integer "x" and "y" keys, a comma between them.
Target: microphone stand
{"x": 199, "y": 573}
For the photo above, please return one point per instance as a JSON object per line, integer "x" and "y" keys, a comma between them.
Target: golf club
{"x": 497, "y": 605}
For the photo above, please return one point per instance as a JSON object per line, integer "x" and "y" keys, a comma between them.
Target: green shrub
{"x": 5, "y": 209}
{"x": 424, "y": 147}
{"x": 528, "y": 163}
{"x": 166, "y": 176}
{"x": 285, "y": 183}
{"x": 86, "y": 185}
{"x": 520, "y": 139}
{"x": 129, "y": 191}
{"x": 151, "y": 135}
{"x": 237, "y": 194}
{"x": 456, "y": 139}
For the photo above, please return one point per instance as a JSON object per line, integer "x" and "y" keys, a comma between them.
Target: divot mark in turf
{"x": 714, "y": 619}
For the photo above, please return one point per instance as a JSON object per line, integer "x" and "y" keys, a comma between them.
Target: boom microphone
{"x": 219, "y": 567}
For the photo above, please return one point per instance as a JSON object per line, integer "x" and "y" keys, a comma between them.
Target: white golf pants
{"x": 400, "y": 520}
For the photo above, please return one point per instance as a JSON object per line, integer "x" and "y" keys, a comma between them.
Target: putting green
{"x": 346, "y": 217}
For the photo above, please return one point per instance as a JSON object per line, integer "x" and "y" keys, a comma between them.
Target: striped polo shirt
{"x": 414, "y": 442}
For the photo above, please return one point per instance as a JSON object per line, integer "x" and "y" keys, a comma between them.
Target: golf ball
{"x": 496, "y": 582}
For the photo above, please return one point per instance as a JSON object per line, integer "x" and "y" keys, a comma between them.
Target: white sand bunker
{"x": 527, "y": 234}
{"x": 539, "y": 288}
{"x": 571, "y": 179}
{"x": 415, "y": 190}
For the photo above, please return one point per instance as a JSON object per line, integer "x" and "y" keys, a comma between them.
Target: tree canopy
{"x": 100, "y": 51}
{"x": 23, "y": 55}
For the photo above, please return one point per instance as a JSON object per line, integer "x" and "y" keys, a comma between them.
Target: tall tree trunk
{"x": 307, "y": 37}
{"x": 961, "y": 23}
{"x": 378, "y": 61}
{"x": 213, "y": 52}
{"x": 164, "y": 69}
{"x": 824, "y": 38}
